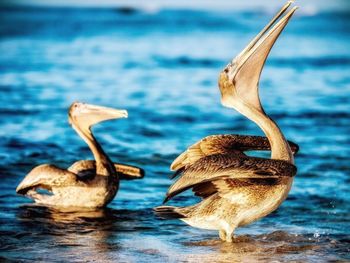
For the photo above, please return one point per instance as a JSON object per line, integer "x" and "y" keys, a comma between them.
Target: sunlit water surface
{"x": 163, "y": 67}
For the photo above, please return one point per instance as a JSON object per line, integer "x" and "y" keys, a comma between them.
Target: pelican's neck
{"x": 279, "y": 146}
{"x": 103, "y": 163}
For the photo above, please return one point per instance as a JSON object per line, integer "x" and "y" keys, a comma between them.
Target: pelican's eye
{"x": 76, "y": 109}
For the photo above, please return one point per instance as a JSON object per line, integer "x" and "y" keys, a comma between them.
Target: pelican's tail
{"x": 171, "y": 212}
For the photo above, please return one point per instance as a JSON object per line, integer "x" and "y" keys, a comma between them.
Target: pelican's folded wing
{"x": 221, "y": 166}
{"x": 226, "y": 143}
{"x": 225, "y": 186}
{"x": 47, "y": 176}
{"x": 126, "y": 172}
{"x": 129, "y": 172}
{"x": 213, "y": 144}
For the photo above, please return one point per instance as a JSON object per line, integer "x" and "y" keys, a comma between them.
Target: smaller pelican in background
{"x": 87, "y": 183}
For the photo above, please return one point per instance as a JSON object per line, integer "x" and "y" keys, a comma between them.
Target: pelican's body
{"x": 237, "y": 189}
{"x": 87, "y": 183}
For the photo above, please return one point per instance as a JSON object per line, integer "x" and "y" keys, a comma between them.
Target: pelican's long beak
{"x": 253, "y": 43}
{"x": 86, "y": 115}
{"x": 103, "y": 113}
{"x": 239, "y": 80}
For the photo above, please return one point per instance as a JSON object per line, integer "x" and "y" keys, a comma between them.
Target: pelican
{"x": 87, "y": 183}
{"x": 237, "y": 189}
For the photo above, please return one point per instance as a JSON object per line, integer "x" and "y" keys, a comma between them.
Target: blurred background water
{"x": 162, "y": 66}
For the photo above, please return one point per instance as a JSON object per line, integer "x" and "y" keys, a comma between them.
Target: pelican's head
{"x": 84, "y": 115}
{"x": 239, "y": 80}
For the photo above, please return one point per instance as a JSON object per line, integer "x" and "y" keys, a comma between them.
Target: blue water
{"x": 162, "y": 67}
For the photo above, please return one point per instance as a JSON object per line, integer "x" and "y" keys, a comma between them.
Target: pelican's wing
{"x": 224, "y": 144}
{"x": 87, "y": 168}
{"x": 226, "y": 185}
{"x": 222, "y": 166}
{"x": 129, "y": 172}
{"x": 209, "y": 145}
{"x": 84, "y": 169}
{"x": 48, "y": 176}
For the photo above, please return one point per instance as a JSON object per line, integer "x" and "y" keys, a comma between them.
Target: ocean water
{"x": 162, "y": 66}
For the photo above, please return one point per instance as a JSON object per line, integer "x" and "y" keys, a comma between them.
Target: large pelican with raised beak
{"x": 87, "y": 183}
{"x": 237, "y": 189}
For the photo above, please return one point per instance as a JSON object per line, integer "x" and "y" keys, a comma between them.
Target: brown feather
{"x": 225, "y": 143}
{"x": 222, "y": 166}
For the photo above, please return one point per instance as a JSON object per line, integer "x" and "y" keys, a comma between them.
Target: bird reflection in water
{"x": 93, "y": 231}
{"x": 251, "y": 248}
